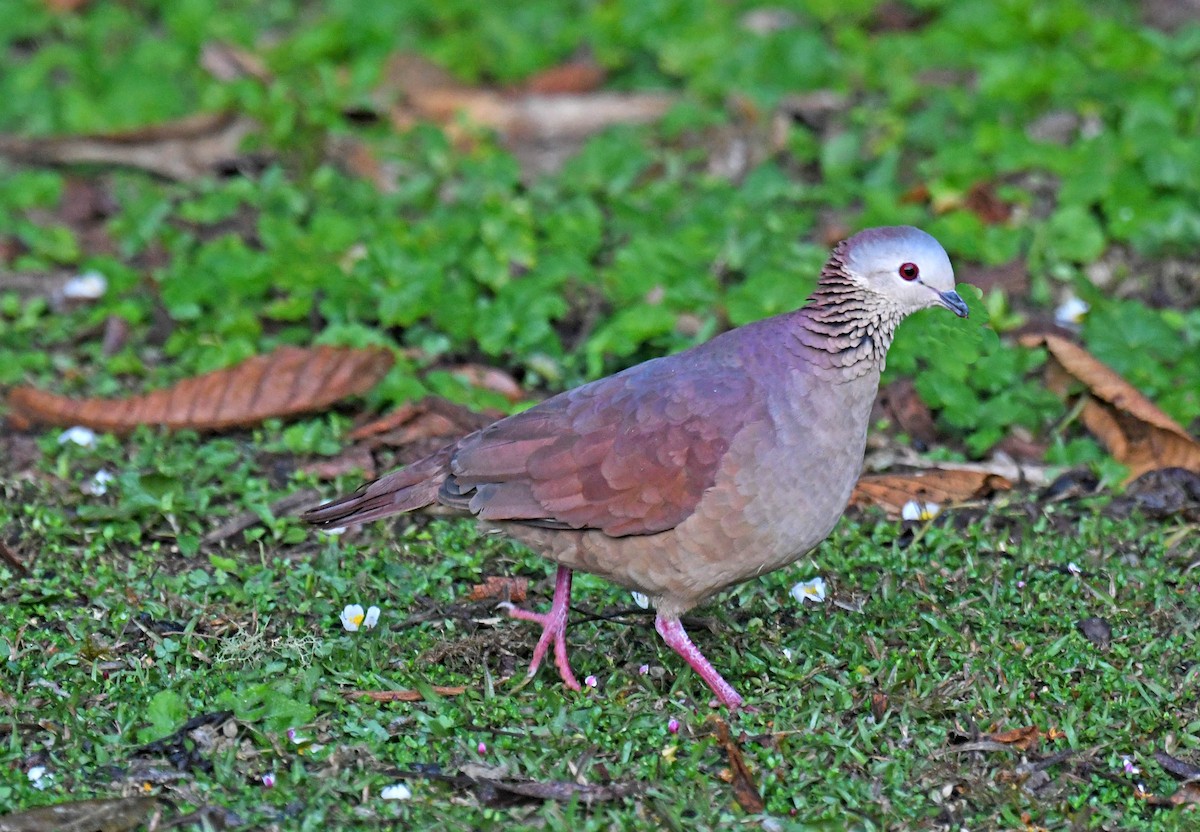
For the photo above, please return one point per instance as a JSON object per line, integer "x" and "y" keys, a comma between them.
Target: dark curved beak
{"x": 954, "y": 303}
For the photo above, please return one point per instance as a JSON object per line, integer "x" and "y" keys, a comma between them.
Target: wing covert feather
{"x": 629, "y": 454}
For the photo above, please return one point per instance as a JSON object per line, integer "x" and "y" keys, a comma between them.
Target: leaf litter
{"x": 183, "y": 150}
{"x": 286, "y": 382}
{"x": 1133, "y": 429}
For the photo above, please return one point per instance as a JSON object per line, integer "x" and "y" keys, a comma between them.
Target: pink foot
{"x": 554, "y": 626}
{"x": 676, "y": 637}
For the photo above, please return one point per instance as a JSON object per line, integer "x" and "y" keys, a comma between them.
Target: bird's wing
{"x": 628, "y": 454}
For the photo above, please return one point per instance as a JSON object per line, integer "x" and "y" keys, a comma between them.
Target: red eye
{"x": 909, "y": 271}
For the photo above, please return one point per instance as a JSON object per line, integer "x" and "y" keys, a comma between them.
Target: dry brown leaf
{"x": 502, "y": 587}
{"x": 983, "y": 202}
{"x": 428, "y": 418}
{"x": 906, "y": 410}
{"x": 286, "y": 382}
{"x": 107, "y": 814}
{"x": 745, "y": 792}
{"x": 934, "y": 485}
{"x": 879, "y": 705}
{"x": 539, "y": 118}
{"x": 578, "y": 76}
{"x": 403, "y": 695}
{"x": 489, "y": 378}
{"x": 1022, "y": 738}
{"x": 1130, "y": 426}
{"x": 540, "y": 128}
{"x": 1187, "y": 795}
{"x": 185, "y": 149}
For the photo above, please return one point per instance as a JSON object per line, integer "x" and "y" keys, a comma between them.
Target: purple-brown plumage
{"x": 690, "y": 473}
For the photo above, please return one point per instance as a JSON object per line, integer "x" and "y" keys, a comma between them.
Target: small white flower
{"x": 86, "y": 437}
{"x": 86, "y": 286}
{"x": 335, "y": 531}
{"x": 591, "y": 681}
{"x": 1071, "y": 312}
{"x": 787, "y": 653}
{"x": 98, "y": 485}
{"x": 813, "y": 590}
{"x": 641, "y": 600}
{"x": 915, "y": 510}
{"x": 1130, "y": 768}
{"x": 352, "y": 617}
{"x": 1074, "y": 569}
{"x": 399, "y": 791}
{"x": 40, "y": 777}
{"x": 268, "y": 780}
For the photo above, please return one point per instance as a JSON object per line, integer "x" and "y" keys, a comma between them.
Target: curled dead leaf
{"x": 1130, "y": 426}
{"x": 1022, "y": 738}
{"x": 489, "y": 378}
{"x": 983, "y": 201}
{"x": 286, "y": 382}
{"x": 502, "y": 587}
{"x": 577, "y": 76}
{"x": 430, "y": 417}
{"x": 879, "y": 705}
{"x": 933, "y": 485}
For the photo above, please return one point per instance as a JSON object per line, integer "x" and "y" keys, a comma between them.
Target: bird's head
{"x": 905, "y": 267}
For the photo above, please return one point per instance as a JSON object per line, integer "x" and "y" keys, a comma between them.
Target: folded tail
{"x": 412, "y": 487}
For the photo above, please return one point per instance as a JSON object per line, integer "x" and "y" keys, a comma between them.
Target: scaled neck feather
{"x": 844, "y": 331}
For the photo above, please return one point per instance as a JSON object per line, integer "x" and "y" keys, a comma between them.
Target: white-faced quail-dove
{"x": 687, "y": 474}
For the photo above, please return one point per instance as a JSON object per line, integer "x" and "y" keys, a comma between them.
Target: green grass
{"x": 116, "y": 641}
{"x": 127, "y": 625}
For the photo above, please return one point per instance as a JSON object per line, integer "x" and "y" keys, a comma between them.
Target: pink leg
{"x": 554, "y": 626}
{"x": 676, "y": 637}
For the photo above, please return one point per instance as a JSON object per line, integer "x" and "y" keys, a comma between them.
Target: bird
{"x": 689, "y": 473}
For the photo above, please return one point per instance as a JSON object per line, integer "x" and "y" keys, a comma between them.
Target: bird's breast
{"x": 786, "y": 481}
